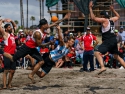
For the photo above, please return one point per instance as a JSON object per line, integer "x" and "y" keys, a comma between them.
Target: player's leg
{"x": 36, "y": 55}
{"x": 22, "y": 52}
{"x": 102, "y": 49}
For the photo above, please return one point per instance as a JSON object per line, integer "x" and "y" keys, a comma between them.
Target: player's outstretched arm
{"x": 117, "y": 16}
{"x": 92, "y": 16}
{"x": 67, "y": 16}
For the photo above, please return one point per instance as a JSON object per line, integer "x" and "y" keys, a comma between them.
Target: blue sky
{"x": 11, "y": 9}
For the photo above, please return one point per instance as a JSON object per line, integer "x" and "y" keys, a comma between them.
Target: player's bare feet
{"x": 4, "y": 87}
{"x": 31, "y": 78}
{"x": 102, "y": 70}
{"x": 9, "y": 86}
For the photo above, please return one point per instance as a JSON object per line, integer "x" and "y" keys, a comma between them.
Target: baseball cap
{"x": 88, "y": 28}
{"x": 20, "y": 30}
{"x": 103, "y": 12}
{"x": 22, "y": 33}
{"x": 121, "y": 27}
{"x": 116, "y": 31}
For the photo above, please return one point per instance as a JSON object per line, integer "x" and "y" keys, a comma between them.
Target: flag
{"x": 50, "y": 3}
{"x": 83, "y": 6}
{"x": 121, "y": 3}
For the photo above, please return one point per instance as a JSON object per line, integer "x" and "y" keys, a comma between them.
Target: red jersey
{"x": 79, "y": 38}
{"x": 31, "y": 42}
{"x": 88, "y": 41}
{"x": 23, "y": 40}
{"x": 71, "y": 54}
{"x": 16, "y": 37}
{"x": 2, "y": 66}
{"x": 45, "y": 50}
{"x": 10, "y": 44}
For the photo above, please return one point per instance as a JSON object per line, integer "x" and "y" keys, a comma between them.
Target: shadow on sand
{"x": 33, "y": 87}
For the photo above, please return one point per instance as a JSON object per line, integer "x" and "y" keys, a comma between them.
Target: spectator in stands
{"x": 29, "y": 35}
{"x": 22, "y": 38}
{"x": 108, "y": 60}
{"x": 56, "y": 41}
{"x": 44, "y": 50}
{"x": 19, "y": 32}
{"x": 119, "y": 43}
{"x": 70, "y": 58}
{"x": 79, "y": 35}
{"x": 122, "y": 33}
{"x": 66, "y": 35}
{"x": 121, "y": 50}
{"x": 118, "y": 36}
{"x": 76, "y": 40}
{"x": 78, "y": 50}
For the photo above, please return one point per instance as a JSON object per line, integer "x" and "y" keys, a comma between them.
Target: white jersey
{"x": 43, "y": 35}
{"x": 58, "y": 53}
{"x": 123, "y": 35}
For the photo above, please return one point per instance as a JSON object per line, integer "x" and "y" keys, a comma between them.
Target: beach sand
{"x": 68, "y": 81}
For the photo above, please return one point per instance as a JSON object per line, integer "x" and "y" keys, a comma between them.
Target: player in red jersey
{"x": 10, "y": 47}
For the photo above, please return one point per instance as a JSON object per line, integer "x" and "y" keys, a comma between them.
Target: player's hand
{"x": 58, "y": 27}
{"x": 8, "y": 20}
{"x": 82, "y": 48}
{"x": 52, "y": 42}
{"x": 67, "y": 16}
{"x": 111, "y": 7}
{"x": 1, "y": 21}
{"x": 90, "y": 4}
{"x": 59, "y": 63}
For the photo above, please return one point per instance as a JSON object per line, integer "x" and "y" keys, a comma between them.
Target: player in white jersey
{"x": 51, "y": 58}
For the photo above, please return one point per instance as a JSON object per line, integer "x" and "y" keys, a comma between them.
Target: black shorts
{"x": 25, "y": 50}
{"x": 8, "y": 64}
{"x": 1, "y": 70}
{"x": 48, "y": 63}
{"x": 109, "y": 45}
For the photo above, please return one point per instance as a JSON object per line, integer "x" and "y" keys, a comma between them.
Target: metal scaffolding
{"x": 77, "y": 18}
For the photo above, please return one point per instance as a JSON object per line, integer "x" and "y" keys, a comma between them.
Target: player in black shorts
{"x": 109, "y": 42}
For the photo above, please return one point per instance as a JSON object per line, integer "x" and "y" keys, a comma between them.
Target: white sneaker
{"x": 121, "y": 67}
